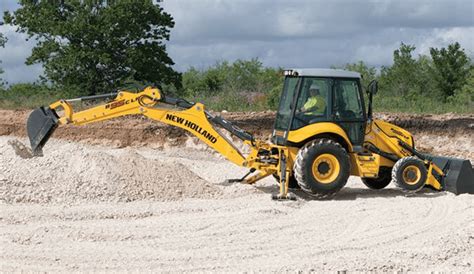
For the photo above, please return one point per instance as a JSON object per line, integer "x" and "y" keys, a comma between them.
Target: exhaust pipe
{"x": 40, "y": 126}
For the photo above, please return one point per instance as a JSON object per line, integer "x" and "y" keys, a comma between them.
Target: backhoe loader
{"x": 322, "y": 135}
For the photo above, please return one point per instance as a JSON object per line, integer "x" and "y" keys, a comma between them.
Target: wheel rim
{"x": 326, "y": 168}
{"x": 411, "y": 175}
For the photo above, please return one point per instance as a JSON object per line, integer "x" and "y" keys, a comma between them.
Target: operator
{"x": 315, "y": 104}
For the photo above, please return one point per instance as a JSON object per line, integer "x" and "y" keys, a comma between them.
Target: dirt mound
{"x": 442, "y": 124}
{"x": 90, "y": 175}
{"x": 435, "y": 134}
{"x": 135, "y": 130}
{"x": 141, "y": 131}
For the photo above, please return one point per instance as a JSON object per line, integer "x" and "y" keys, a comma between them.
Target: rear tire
{"x": 409, "y": 174}
{"x": 322, "y": 167}
{"x": 384, "y": 179}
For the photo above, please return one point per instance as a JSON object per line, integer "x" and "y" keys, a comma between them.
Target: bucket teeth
{"x": 459, "y": 175}
{"x": 40, "y": 125}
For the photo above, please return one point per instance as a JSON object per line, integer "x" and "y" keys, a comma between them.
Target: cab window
{"x": 312, "y": 105}
{"x": 284, "y": 111}
{"x": 347, "y": 101}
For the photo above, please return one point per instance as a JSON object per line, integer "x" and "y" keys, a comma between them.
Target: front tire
{"x": 409, "y": 174}
{"x": 384, "y": 179}
{"x": 322, "y": 167}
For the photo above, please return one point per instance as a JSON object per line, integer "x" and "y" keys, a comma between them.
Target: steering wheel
{"x": 299, "y": 116}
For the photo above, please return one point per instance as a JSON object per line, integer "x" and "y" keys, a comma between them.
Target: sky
{"x": 291, "y": 33}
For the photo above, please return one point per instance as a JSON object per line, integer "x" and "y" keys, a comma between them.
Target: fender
{"x": 301, "y": 134}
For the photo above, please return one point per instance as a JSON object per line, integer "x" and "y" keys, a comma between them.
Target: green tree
{"x": 97, "y": 45}
{"x": 400, "y": 78}
{"x": 451, "y": 68}
{"x": 425, "y": 83}
{"x": 241, "y": 76}
{"x": 3, "y": 41}
{"x": 239, "y": 85}
{"x": 368, "y": 73}
{"x": 463, "y": 98}
{"x": 193, "y": 82}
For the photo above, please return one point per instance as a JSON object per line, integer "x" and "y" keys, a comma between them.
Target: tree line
{"x": 3, "y": 40}
{"x": 90, "y": 47}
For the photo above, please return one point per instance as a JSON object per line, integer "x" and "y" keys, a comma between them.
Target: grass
{"x": 421, "y": 105}
{"x": 28, "y": 96}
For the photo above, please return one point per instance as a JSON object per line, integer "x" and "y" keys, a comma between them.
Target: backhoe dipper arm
{"x": 263, "y": 157}
{"x": 151, "y": 103}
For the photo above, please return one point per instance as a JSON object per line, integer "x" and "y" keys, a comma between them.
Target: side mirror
{"x": 373, "y": 87}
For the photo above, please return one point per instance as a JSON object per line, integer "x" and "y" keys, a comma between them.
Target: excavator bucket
{"x": 40, "y": 125}
{"x": 459, "y": 175}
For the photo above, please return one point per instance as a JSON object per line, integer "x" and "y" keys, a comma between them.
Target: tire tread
{"x": 396, "y": 170}
{"x": 300, "y": 166}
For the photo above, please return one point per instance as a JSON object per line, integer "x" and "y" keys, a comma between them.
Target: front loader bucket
{"x": 459, "y": 176}
{"x": 40, "y": 125}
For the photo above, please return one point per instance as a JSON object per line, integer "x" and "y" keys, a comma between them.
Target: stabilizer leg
{"x": 284, "y": 175}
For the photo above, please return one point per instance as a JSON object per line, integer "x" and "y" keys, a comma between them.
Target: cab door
{"x": 348, "y": 109}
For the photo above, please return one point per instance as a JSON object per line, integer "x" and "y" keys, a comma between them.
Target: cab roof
{"x": 322, "y": 72}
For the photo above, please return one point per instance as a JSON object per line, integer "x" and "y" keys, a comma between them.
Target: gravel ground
{"x": 96, "y": 208}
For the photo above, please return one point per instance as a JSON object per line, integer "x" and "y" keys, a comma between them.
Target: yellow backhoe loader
{"x": 322, "y": 135}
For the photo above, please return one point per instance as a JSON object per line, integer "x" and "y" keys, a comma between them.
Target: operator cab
{"x": 313, "y": 96}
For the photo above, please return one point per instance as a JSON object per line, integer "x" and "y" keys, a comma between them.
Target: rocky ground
{"x": 133, "y": 195}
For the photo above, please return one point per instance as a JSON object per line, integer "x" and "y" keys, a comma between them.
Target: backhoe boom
{"x": 151, "y": 103}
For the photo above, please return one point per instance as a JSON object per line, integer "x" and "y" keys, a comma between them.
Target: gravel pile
{"x": 78, "y": 174}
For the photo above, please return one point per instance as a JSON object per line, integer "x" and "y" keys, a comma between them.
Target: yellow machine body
{"x": 378, "y": 133}
{"x": 382, "y": 146}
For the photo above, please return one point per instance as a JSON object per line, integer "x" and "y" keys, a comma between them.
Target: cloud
{"x": 297, "y": 33}
{"x": 313, "y": 33}
{"x": 14, "y": 55}
{"x": 443, "y": 37}
{"x": 277, "y": 19}
{"x": 6, "y": 5}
